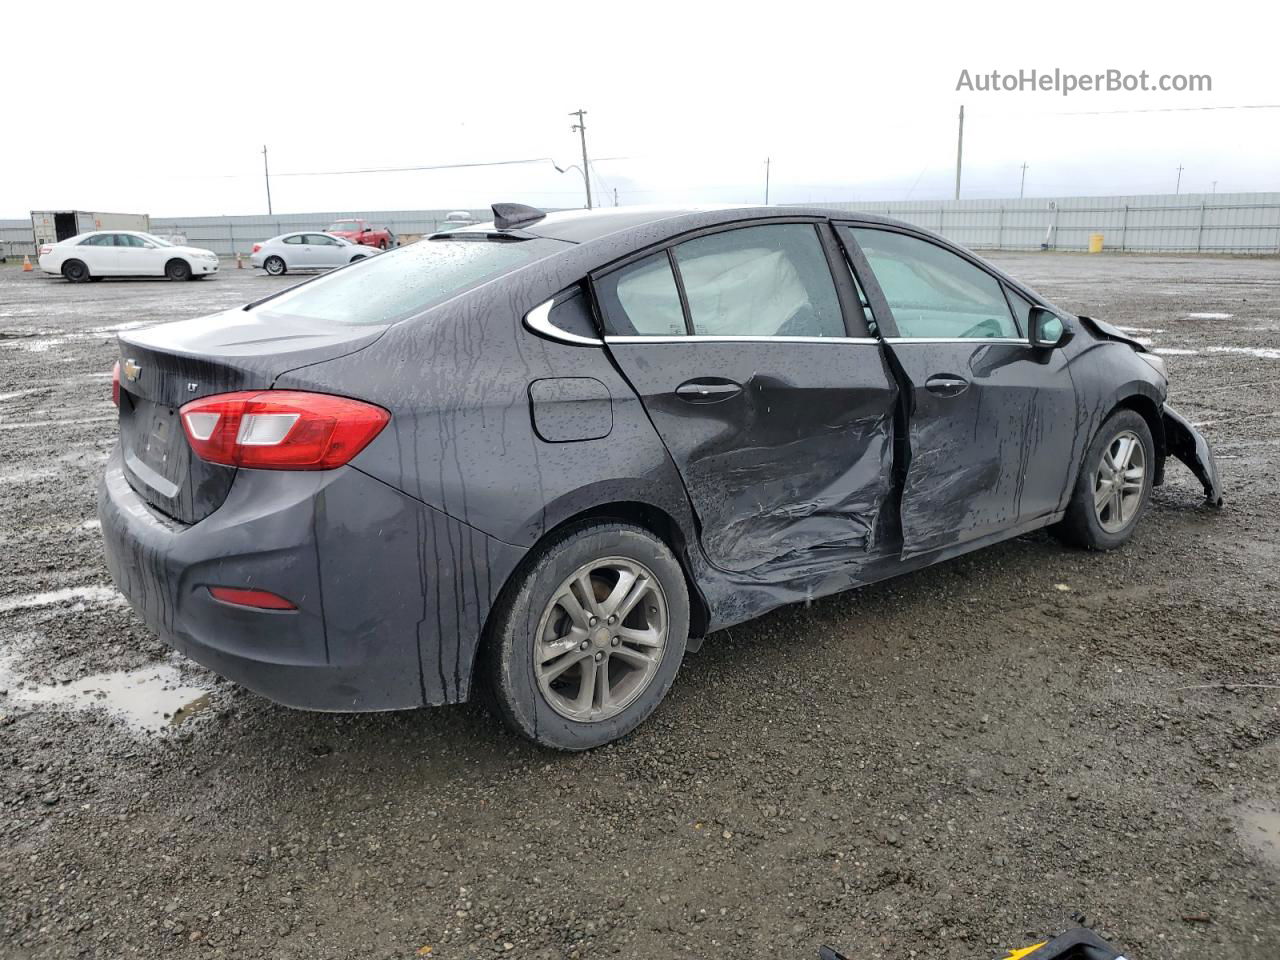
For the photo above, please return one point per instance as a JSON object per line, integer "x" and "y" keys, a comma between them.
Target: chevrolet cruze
{"x": 550, "y": 453}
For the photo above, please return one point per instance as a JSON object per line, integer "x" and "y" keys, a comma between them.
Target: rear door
{"x": 991, "y": 418}
{"x": 755, "y": 365}
{"x": 99, "y": 254}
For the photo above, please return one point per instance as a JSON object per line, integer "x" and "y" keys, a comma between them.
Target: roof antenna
{"x": 509, "y": 215}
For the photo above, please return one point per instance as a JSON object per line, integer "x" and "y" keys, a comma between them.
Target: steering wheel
{"x": 989, "y": 327}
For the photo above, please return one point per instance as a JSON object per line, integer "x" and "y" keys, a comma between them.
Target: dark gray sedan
{"x": 551, "y": 453}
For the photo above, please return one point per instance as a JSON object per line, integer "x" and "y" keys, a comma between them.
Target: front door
{"x": 777, "y": 414}
{"x": 992, "y": 419}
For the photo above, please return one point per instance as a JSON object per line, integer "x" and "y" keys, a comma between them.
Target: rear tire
{"x": 76, "y": 271}
{"x": 275, "y": 266}
{"x": 1114, "y": 485}
{"x": 177, "y": 270}
{"x": 562, "y": 673}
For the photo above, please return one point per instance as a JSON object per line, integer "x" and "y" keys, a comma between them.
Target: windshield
{"x": 343, "y": 225}
{"x": 404, "y": 282}
{"x": 158, "y": 241}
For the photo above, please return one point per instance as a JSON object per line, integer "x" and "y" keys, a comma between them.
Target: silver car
{"x": 306, "y": 250}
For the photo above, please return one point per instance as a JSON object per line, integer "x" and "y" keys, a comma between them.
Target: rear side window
{"x": 296, "y": 238}
{"x": 767, "y": 281}
{"x": 641, "y": 299}
{"x": 99, "y": 240}
{"x": 933, "y": 292}
{"x": 408, "y": 280}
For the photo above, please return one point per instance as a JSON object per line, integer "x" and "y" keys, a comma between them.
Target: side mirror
{"x": 1046, "y": 329}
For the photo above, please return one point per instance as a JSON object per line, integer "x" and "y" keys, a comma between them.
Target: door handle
{"x": 711, "y": 390}
{"x": 946, "y": 385}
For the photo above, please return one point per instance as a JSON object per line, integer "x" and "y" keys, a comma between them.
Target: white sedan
{"x": 125, "y": 253}
{"x": 306, "y": 251}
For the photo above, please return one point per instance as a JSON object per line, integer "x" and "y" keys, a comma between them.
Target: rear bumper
{"x": 1187, "y": 444}
{"x": 386, "y": 619}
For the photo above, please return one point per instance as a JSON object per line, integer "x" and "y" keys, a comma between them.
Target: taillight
{"x": 256, "y": 248}
{"x": 47, "y": 248}
{"x": 115, "y": 384}
{"x": 280, "y": 429}
{"x": 258, "y": 599}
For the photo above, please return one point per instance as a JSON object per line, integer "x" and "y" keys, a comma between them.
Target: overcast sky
{"x": 155, "y": 108}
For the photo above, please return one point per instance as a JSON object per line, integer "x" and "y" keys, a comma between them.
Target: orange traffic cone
{"x": 239, "y": 265}
{"x": 26, "y": 264}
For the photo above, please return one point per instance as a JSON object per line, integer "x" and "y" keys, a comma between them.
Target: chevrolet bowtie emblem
{"x": 131, "y": 370}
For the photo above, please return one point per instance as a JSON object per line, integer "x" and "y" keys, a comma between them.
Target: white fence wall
{"x": 1158, "y": 223}
{"x": 1246, "y": 223}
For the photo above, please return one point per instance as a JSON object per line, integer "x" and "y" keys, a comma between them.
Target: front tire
{"x": 76, "y": 271}
{"x": 1114, "y": 485}
{"x": 587, "y": 640}
{"x": 177, "y": 270}
{"x": 274, "y": 266}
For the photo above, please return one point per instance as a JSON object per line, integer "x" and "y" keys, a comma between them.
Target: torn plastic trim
{"x": 1105, "y": 331}
{"x": 1187, "y": 444}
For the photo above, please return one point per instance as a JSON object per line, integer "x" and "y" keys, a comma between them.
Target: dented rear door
{"x": 778, "y": 417}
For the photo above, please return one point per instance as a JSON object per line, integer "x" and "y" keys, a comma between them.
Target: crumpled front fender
{"x": 1185, "y": 442}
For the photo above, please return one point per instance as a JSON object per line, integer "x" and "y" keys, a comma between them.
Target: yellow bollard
{"x": 1095, "y": 243}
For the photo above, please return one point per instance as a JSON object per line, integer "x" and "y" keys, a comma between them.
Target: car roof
{"x": 617, "y": 223}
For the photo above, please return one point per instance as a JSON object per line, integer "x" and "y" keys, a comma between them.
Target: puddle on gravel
{"x": 147, "y": 700}
{"x": 1259, "y": 829}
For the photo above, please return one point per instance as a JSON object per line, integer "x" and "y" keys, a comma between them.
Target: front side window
{"x": 320, "y": 240}
{"x": 641, "y": 299}
{"x": 932, "y": 292}
{"x": 767, "y": 281}
{"x": 129, "y": 240}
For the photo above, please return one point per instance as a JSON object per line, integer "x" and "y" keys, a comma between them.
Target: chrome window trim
{"x": 1021, "y": 340}
{"x": 712, "y": 338}
{"x": 538, "y": 320}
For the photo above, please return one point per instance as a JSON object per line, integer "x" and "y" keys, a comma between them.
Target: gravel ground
{"x": 941, "y": 766}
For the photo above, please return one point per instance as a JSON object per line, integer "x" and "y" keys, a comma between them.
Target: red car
{"x": 360, "y": 231}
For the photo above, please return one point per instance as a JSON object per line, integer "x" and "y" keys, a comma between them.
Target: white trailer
{"x": 53, "y": 226}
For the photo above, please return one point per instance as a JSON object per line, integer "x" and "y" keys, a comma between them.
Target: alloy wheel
{"x": 1119, "y": 483}
{"x": 601, "y": 639}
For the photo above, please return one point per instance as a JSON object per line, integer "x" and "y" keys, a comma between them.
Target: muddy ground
{"x": 938, "y": 767}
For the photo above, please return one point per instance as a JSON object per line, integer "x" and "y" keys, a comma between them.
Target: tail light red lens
{"x": 115, "y": 384}
{"x": 256, "y": 247}
{"x": 47, "y": 248}
{"x": 280, "y": 429}
{"x": 258, "y": 599}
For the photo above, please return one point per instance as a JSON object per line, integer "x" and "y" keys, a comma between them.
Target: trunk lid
{"x": 164, "y": 367}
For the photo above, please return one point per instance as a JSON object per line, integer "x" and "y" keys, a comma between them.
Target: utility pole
{"x": 615, "y": 196}
{"x": 1023, "y": 185}
{"x": 581, "y": 129}
{"x": 766, "y": 181}
{"x": 1178, "y": 186}
{"x": 959, "y": 150}
{"x": 1215, "y": 188}
{"x": 266, "y": 173}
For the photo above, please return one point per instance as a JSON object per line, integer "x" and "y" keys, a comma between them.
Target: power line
{"x": 1095, "y": 113}
{"x": 415, "y": 169}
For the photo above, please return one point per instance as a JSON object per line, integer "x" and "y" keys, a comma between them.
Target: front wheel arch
{"x": 1150, "y": 412}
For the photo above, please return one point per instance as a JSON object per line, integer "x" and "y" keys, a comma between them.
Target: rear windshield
{"x": 404, "y": 282}
{"x": 343, "y": 225}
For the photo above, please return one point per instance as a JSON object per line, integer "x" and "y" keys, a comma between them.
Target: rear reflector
{"x": 259, "y": 599}
{"x": 256, "y": 248}
{"x": 115, "y": 384}
{"x": 280, "y": 429}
